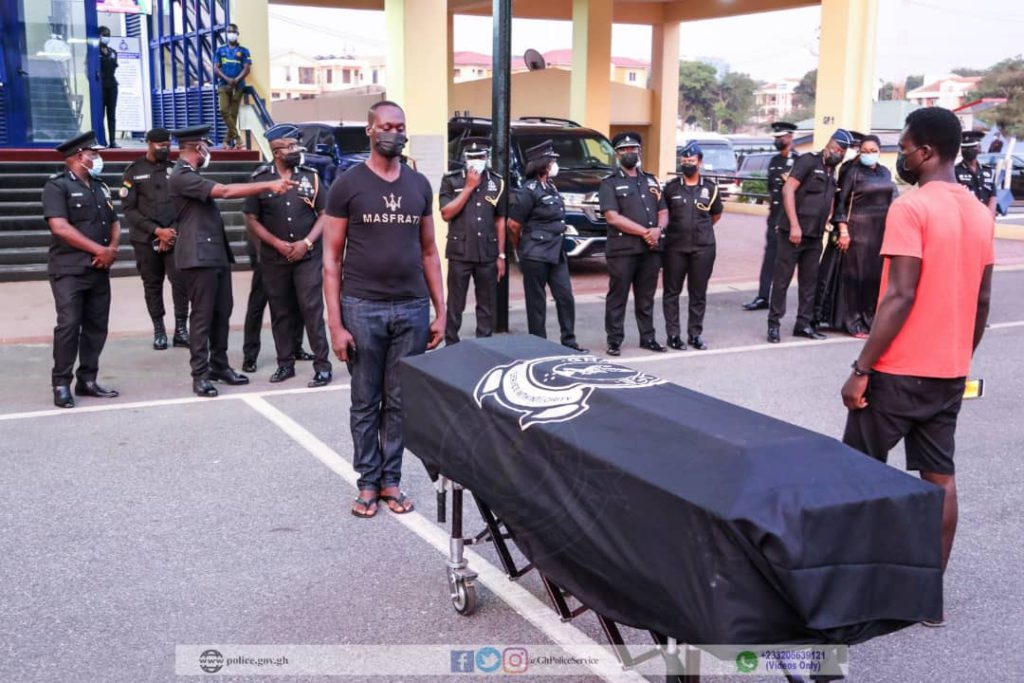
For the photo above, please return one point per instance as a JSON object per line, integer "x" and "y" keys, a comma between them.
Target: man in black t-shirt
{"x": 379, "y": 217}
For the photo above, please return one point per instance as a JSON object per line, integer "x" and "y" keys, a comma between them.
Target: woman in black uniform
{"x": 848, "y": 298}
{"x": 536, "y": 226}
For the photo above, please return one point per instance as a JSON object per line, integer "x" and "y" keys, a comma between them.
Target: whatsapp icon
{"x": 746, "y": 661}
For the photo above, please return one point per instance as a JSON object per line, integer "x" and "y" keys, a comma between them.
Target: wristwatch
{"x": 309, "y": 244}
{"x": 861, "y": 373}
{"x": 501, "y": 256}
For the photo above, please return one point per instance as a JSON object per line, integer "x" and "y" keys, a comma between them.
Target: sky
{"x": 914, "y": 36}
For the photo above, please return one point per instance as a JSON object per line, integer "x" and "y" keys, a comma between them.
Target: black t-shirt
{"x": 382, "y": 250}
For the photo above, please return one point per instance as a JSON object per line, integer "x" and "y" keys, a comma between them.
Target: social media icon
{"x": 515, "y": 660}
{"x": 488, "y": 660}
{"x": 462, "y": 661}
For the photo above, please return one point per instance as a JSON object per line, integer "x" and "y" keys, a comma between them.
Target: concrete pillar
{"x": 253, "y": 19}
{"x": 451, "y": 56}
{"x": 660, "y": 148}
{"x": 846, "y": 67}
{"x": 590, "y": 85}
{"x": 418, "y": 78}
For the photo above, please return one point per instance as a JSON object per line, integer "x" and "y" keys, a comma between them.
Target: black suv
{"x": 346, "y": 143}
{"x": 585, "y": 157}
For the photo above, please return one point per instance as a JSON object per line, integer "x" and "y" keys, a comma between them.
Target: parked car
{"x": 1016, "y": 180}
{"x": 346, "y": 142}
{"x": 753, "y": 177}
{"x": 585, "y": 157}
{"x": 719, "y": 160}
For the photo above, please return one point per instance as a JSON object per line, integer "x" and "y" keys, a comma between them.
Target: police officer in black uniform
{"x": 203, "y": 255}
{"x": 807, "y": 198}
{"x": 537, "y": 226}
{"x": 469, "y": 201}
{"x": 83, "y": 245}
{"x": 290, "y": 253}
{"x": 150, "y": 214}
{"x": 636, "y": 214}
{"x": 979, "y": 180}
{"x": 694, "y": 207}
{"x": 778, "y": 170}
{"x": 108, "y": 83}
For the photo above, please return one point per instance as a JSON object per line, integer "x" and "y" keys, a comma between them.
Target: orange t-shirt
{"x": 945, "y": 226}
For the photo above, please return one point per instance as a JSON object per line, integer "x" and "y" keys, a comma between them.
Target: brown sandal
{"x": 366, "y": 507}
{"x": 400, "y": 500}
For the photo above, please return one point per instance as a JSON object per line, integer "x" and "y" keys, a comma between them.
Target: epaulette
{"x": 57, "y": 175}
{"x": 531, "y": 185}
{"x": 260, "y": 170}
{"x": 307, "y": 169}
{"x": 452, "y": 173}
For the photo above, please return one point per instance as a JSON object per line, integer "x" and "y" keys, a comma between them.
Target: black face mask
{"x": 390, "y": 145}
{"x": 910, "y": 177}
{"x": 832, "y": 159}
{"x": 780, "y": 144}
{"x": 689, "y": 170}
{"x": 293, "y": 159}
{"x": 162, "y": 154}
{"x": 969, "y": 153}
{"x": 630, "y": 160}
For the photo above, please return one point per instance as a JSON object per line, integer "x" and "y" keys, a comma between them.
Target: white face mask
{"x": 477, "y": 165}
{"x": 105, "y": 40}
{"x": 97, "y": 167}
{"x": 206, "y": 158}
{"x": 553, "y": 171}
{"x": 232, "y": 37}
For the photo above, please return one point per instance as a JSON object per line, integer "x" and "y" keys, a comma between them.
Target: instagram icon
{"x": 515, "y": 660}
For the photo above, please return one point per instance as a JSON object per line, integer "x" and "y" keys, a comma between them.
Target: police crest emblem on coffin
{"x": 554, "y": 388}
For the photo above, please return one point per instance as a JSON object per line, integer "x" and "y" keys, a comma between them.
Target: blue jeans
{"x": 384, "y": 333}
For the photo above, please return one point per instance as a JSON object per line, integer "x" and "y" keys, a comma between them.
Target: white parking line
{"x": 526, "y": 604}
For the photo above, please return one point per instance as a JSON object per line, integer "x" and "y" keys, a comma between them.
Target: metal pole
{"x": 501, "y": 86}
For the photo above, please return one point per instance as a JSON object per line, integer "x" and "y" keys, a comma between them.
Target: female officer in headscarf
{"x": 536, "y": 226}
{"x": 850, "y": 286}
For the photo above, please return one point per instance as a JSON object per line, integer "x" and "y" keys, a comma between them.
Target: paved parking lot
{"x": 157, "y": 520}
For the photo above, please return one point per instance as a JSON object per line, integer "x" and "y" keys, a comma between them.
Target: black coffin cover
{"x": 666, "y": 509}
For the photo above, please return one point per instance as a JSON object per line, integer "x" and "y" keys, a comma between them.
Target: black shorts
{"x": 922, "y": 410}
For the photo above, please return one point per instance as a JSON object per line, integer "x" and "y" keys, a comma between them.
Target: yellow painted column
{"x": 590, "y": 84}
{"x": 846, "y": 67}
{"x": 418, "y": 77}
{"x": 451, "y": 56}
{"x": 253, "y": 19}
{"x": 660, "y": 149}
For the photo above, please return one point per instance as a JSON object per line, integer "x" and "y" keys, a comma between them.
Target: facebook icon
{"x": 462, "y": 661}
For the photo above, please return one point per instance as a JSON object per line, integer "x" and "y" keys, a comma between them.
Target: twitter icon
{"x": 488, "y": 660}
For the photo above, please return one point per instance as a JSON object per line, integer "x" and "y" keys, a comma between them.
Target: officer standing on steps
{"x": 290, "y": 254}
{"x": 635, "y": 210}
{"x": 778, "y": 170}
{"x": 108, "y": 84}
{"x": 203, "y": 254}
{"x": 694, "y": 207}
{"x": 807, "y": 202}
{"x": 979, "y": 180}
{"x": 151, "y": 217}
{"x": 83, "y": 245}
{"x": 537, "y": 228}
{"x": 470, "y": 204}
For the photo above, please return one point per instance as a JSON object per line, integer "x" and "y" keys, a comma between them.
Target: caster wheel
{"x": 464, "y": 598}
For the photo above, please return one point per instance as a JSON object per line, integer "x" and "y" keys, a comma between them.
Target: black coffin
{"x": 666, "y": 509}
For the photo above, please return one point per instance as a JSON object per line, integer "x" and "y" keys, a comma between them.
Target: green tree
{"x": 698, "y": 84}
{"x": 967, "y": 72}
{"x": 914, "y": 82}
{"x": 806, "y": 91}
{"x": 887, "y": 91}
{"x": 1006, "y": 79}
{"x": 736, "y": 98}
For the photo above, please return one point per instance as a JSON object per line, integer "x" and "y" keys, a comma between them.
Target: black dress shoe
{"x": 698, "y": 343}
{"x": 773, "y": 334}
{"x": 653, "y": 345}
{"x": 248, "y": 365}
{"x": 229, "y": 376}
{"x": 758, "y": 304}
{"x": 160, "y": 341}
{"x": 576, "y": 347}
{"x": 204, "y": 388}
{"x": 180, "y": 333}
{"x": 281, "y": 374}
{"x": 303, "y": 354}
{"x": 62, "y": 397}
{"x": 676, "y": 342}
{"x": 320, "y": 379}
{"x": 90, "y": 388}
{"x": 614, "y": 350}
{"x": 808, "y": 332}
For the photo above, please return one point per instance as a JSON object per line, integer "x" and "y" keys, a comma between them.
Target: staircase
{"x": 54, "y": 116}
{"x": 25, "y": 238}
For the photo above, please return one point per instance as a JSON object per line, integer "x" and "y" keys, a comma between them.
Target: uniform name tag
{"x": 142, "y": 177}
{"x": 77, "y": 194}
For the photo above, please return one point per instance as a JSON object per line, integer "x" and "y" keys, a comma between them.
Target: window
{"x": 306, "y": 75}
{"x": 275, "y": 95}
{"x": 346, "y": 76}
{"x": 374, "y": 77}
{"x": 632, "y": 77}
{"x": 330, "y": 75}
{"x": 288, "y": 74}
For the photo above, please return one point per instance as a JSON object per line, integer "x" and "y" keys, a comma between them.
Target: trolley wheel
{"x": 464, "y": 599}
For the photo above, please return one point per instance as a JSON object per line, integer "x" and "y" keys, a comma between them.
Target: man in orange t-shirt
{"x": 936, "y": 283}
